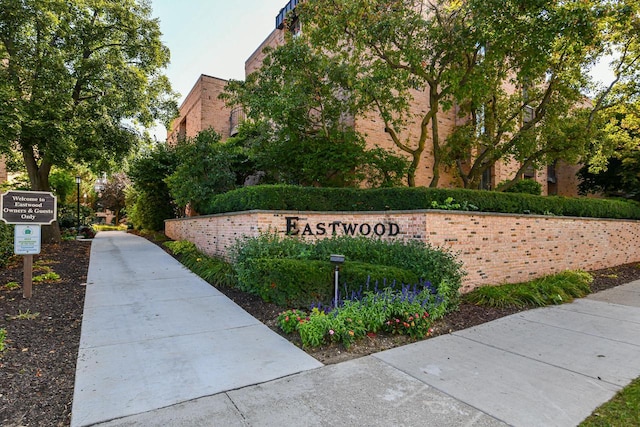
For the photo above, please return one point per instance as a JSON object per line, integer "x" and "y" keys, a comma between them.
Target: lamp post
{"x": 78, "y": 180}
{"x": 336, "y": 260}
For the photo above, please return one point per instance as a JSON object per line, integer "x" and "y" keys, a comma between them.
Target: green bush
{"x": 526, "y": 186}
{"x": 296, "y": 272}
{"x": 556, "y": 289}
{"x": 407, "y": 311}
{"x": 428, "y": 263}
{"x": 284, "y": 197}
{"x": 214, "y": 270}
{"x": 286, "y": 282}
{"x": 6, "y": 243}
{"x": 356, "y": 275}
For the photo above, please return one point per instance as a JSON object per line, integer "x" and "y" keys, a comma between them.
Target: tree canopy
{"x": 299, "y": 92}
{"x": 204, "y": 170}
{"x": 513, "y": 76}
{"x": 74, "y": 79}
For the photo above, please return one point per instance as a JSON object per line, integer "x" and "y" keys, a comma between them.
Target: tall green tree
{"x": 514, "y": 73}
{"x": 148, "y": 201}
{"x": 74, "y": 77}
{"x": 205, "y": 168}
{"x": 537, "y": 110}
{"x": 301, "y": 92}
{"x": 616, "y": 172}
{"x": 393, "y": 51}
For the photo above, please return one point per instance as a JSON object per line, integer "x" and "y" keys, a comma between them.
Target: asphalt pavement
{"x": 161, "y": 347}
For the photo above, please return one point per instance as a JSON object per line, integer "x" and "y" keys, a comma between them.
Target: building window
{"x": 235, "y": 120}
{"x": 480, "y": 121}
{"x": 528, "y": 112}
{"x": 529, "y": 173}
{"x": 282, "y": 15}
{"x": 485, "y": 179}
{"x": 295, "y": 28}
{"x": 182, "y": 130}
{"x": 552, "y": 179}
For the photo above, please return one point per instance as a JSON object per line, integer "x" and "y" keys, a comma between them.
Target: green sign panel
{"x": 26, "y": 239}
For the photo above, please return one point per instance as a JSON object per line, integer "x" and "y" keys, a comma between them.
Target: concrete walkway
{"x": 160, "y": 347}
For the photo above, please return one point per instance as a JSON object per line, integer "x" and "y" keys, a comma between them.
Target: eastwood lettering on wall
{"x": 295, "y": 228}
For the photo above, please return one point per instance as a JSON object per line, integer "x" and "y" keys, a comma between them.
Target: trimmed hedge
{"x": 286, "y": 282}
{"x": 301, "y": 283}
{"x": 285, "y": 197}
{"x": 297, "y": 273}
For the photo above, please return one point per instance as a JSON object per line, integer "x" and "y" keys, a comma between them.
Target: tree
{"x": 113, "y": 194}
{"x": 391, "y": 52}
{"x": 63, "y": 184}
{"x": 74, "y": 76}
{"x": 148, "y": 202}
{"x": 301, "y": 93}
{"x": 204, "y": 170}
{"x": 616, "y": 172}
{"x": 513, "y": 71}
{"x": 548, "y": 117}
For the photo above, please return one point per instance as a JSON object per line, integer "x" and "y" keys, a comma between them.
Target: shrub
{"x": 526, "y": 186}
{"x": 429, "y": 264}
{"x": 287, "y": 270}
{"x": 286, "y": 282}
{"x": 6, "y": 243}
{"x": 354, "y": 274}
{"x": 214, "y": 270}
{"x": 285, "y": 197}
{"x": 3, "y": 337}
{"x": 87, "y": 232}
{"x": 549, "y": 290}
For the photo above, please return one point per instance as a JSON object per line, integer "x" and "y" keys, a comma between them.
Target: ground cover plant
{"x": 407, "y": 311}
{"x": 554, "y": 289}
{"x": 213, "y": 270}
{"x": 623, "y": 410}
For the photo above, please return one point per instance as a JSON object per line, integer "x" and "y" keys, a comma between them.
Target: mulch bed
{"x": 37, "y": 369}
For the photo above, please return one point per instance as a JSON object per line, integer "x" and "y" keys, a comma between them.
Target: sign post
{"x": 26, "y": 241}
{"x": 28, "y": 210}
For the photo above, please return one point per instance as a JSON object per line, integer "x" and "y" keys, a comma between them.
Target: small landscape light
{"x": 336, "y": 260}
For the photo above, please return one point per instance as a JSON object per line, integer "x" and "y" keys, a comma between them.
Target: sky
{"x": 213, "y": 37}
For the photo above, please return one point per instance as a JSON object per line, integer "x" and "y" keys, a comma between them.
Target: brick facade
{"x": 201, "y": 110}
{"x": 494, "y": 248}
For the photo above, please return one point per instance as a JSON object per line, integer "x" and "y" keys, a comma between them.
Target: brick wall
{"x": 494, "y": 248}
{"x": 201, "y": 110}
{"x": 254, "y": 62}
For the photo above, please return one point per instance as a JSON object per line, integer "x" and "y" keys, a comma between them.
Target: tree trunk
{"x": 434, "y": 100}
{"x": 413, "y": 167}
{"x": 39, "y": 179}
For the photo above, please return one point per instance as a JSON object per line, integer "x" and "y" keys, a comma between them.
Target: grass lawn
{"x": 621, "y": 411}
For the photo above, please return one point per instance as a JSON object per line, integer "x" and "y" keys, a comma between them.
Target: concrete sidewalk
{"x": 160, "y": 347}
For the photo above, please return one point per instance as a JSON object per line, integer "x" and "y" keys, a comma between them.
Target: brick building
{"x": 202, "y": 109}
